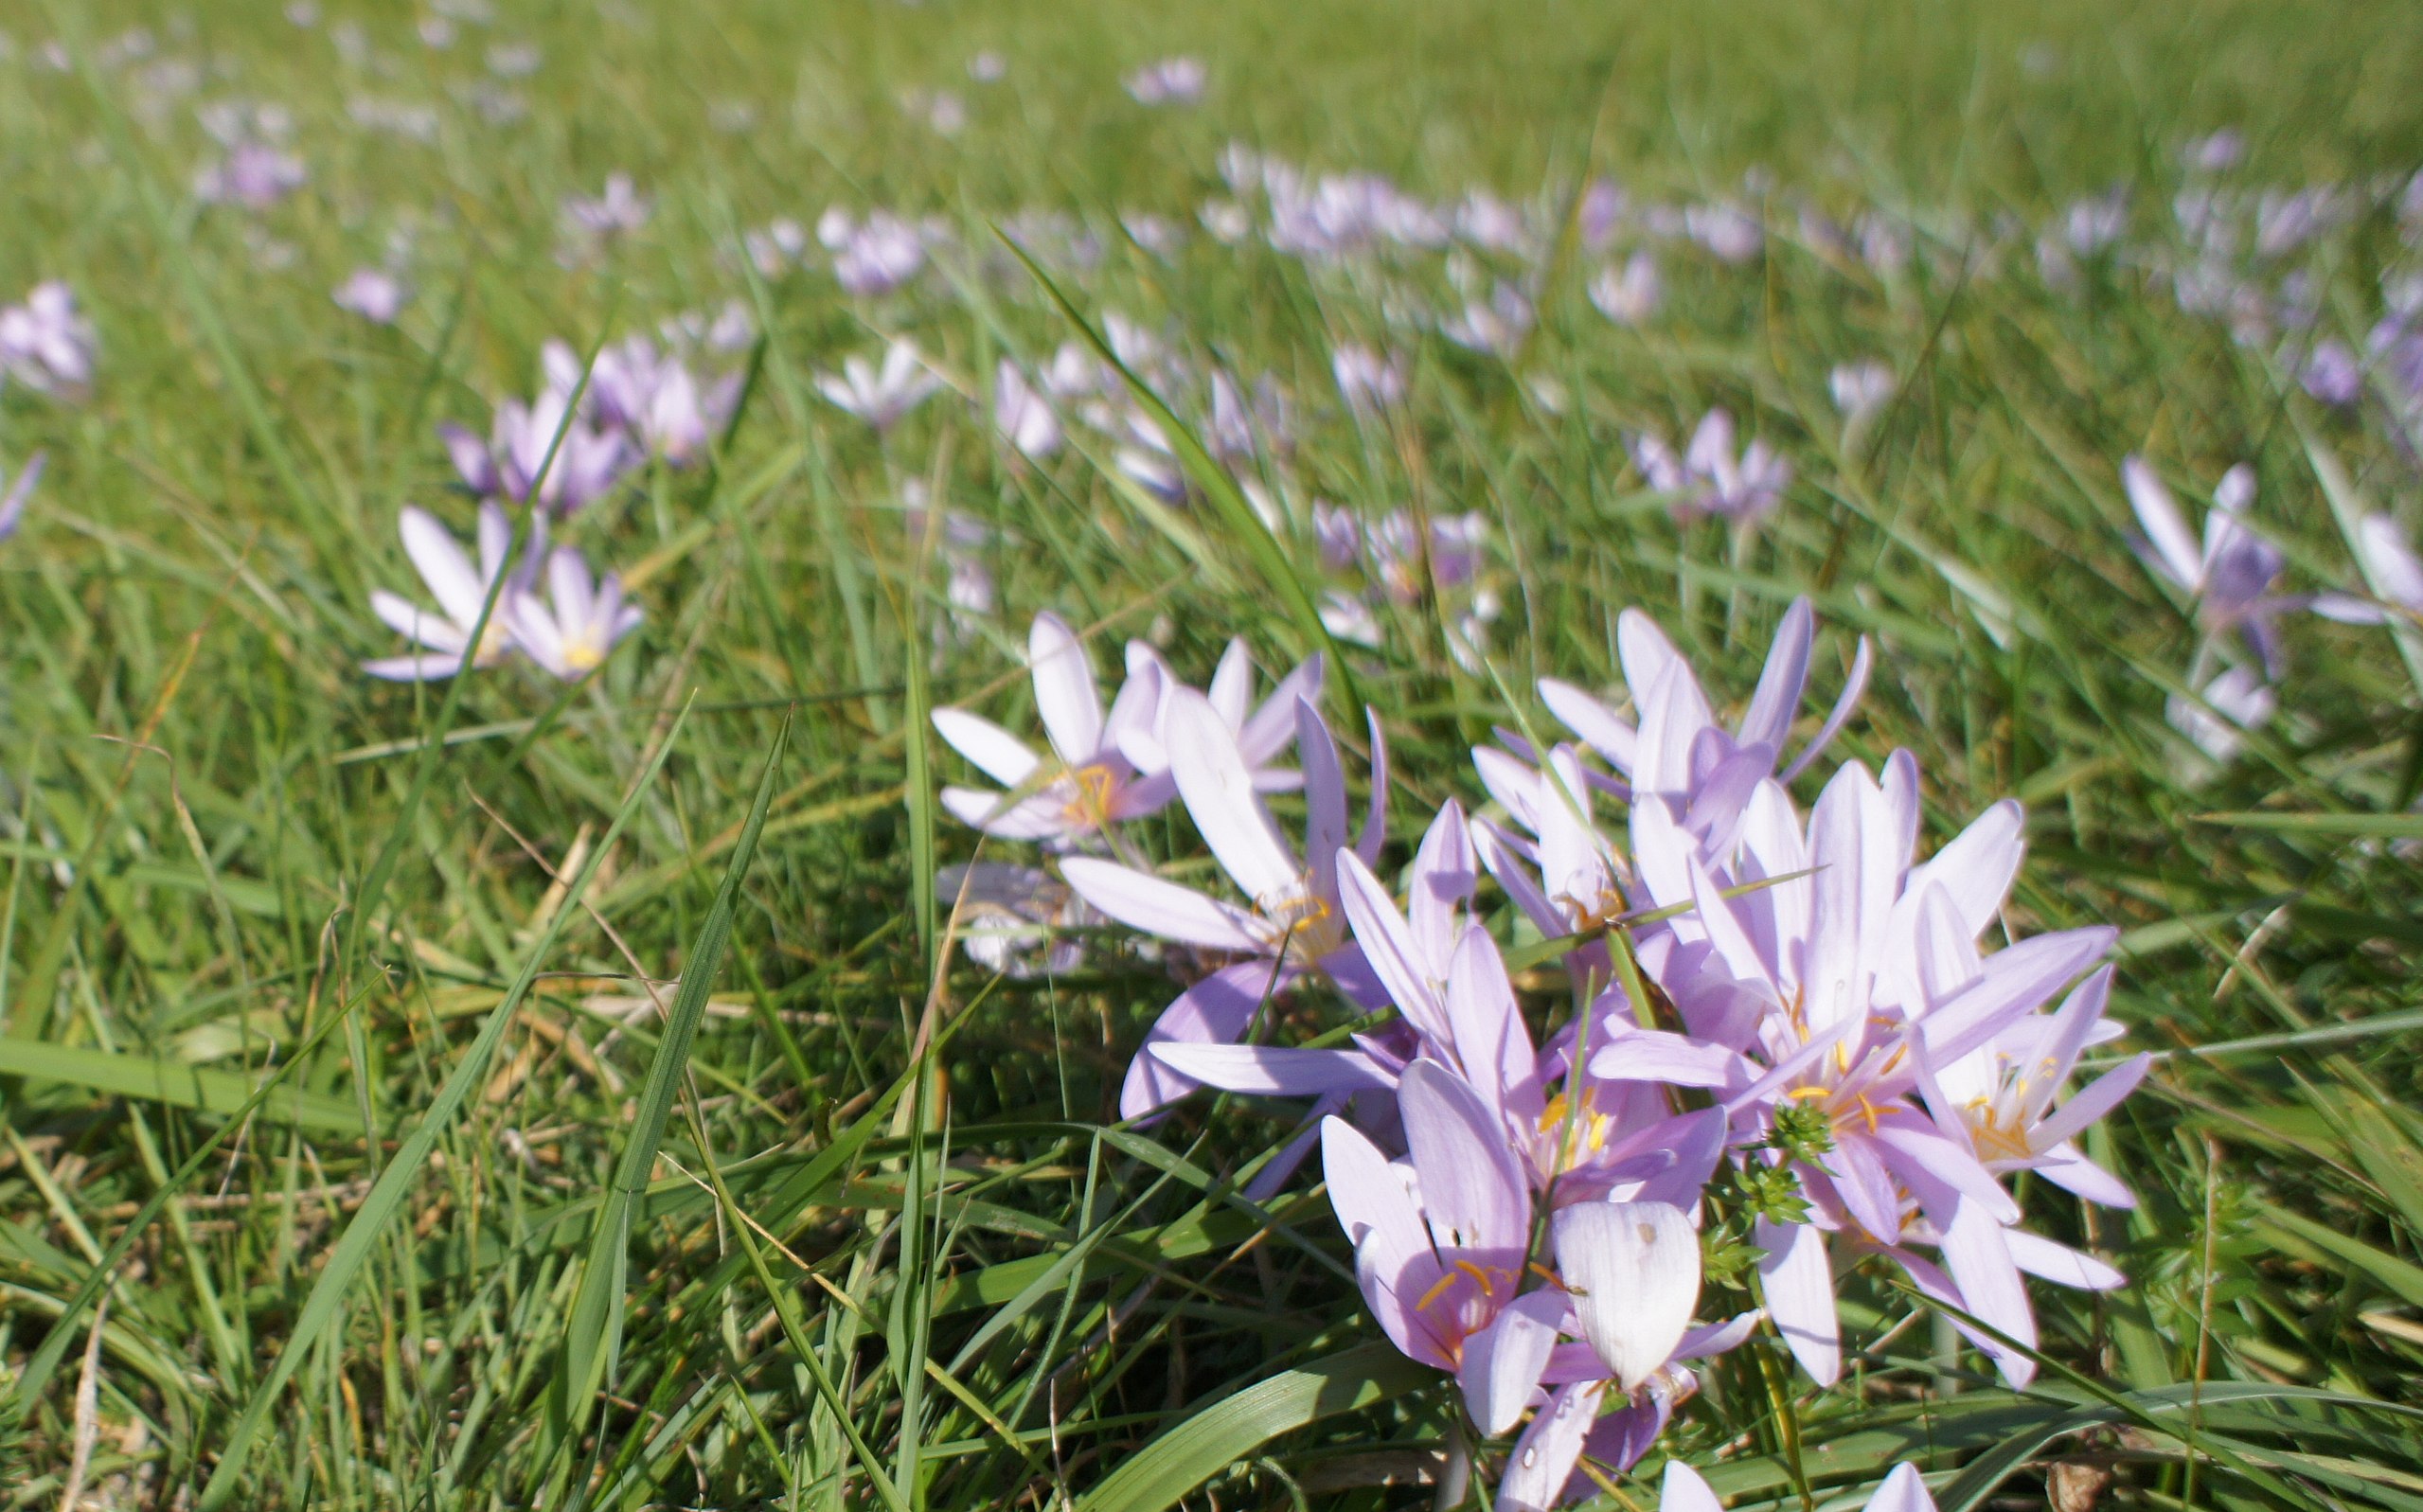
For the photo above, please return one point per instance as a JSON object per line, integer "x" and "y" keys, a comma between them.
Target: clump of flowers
{"x": 1787, "y": 1047}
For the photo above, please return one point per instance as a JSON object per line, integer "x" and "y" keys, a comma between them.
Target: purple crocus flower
{"x": 1368, "y": 382}
{"x": 373, "y": 293}
{"x": 880, "y": 397}
{"x": 1440, "y": 1242}
{"x": 1092, "y": 784}
{"x": 1849, "y": 978}
{"x": 1709, "y": 477}
{"x": 588, "y": 461}
{"x": 1294, "y": 924}
{"x": 874, "y": 256}
{"x": 2229, "y": 582}
{"x": 1169, "y": 81}
{"x": 1679, "y": 751}
{"x": 1628, "y": 294}
{"x": 619, "y": 209}
{"x": 584, "y": 618}
{"x": 45, "y": 345}
{"x": 255, "y": 174}
{"x": 655, "y": 398}
{"x": 445, "y": 635}
{"x": 1023, "y": 416}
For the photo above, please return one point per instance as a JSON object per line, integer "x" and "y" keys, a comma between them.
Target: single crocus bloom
{"x": 445, "y": 634}
{"x": 880, "y": 397}
{"x": 1090, "y": 784}
{"x": 1023, "y": 416}
{"x": 2230, "y": 579}
{"x": 574, "y": 631}
{"x": 376, "y": 296}
{"x": 45, "y": 344}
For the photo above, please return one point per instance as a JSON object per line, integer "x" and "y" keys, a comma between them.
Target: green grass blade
{"x": 594, "y": 1329}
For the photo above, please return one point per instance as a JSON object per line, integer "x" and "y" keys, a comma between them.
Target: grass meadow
{"x": 520, "y": 1090}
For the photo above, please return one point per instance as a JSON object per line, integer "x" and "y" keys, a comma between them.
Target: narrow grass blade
{"x": 594, "y": 1333}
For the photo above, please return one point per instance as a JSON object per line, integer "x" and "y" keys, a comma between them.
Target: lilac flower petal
{"x": 1157, "y": 906}
{"x": 1220, "y": 795}
{"x": 1863, "y": 660}
{"x": 2176, "y": 553}
{"x": 1066, "y": 697}
{"x": 1798, "y": 1285}
{"x": 1904, "y": 1490}
{"x": 2059, "y": 1264}
{"x": 1214, "y": 1011}
{"x": 995, "y": 751}
{"x": 2098, "y": 1098}
{"x": 1768, "y": 718}
{"x": 1684, "y": 1490}
{"x": 1634, "y": 1270}
{"x": 1544, "y": 1456}
{"x": 1502, "y": 1362}
{"x": 1273, "y": 1071}
{"x": 1389, "y": 948}
{"x": 1475, "y": 1196}
{"x": 1599, "y": 726}
{"x": 2072, "y": 1172}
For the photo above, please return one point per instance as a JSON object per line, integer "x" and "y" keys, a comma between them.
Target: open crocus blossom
{"x": 2230, "y": 576}
{"x": 880, "y": 396}
{"x": 1294, "y": 924}
{"x": 445, "y": 634}
{"x": 548, "y": 449}
{"x": 1440, "y": 1238}
{"x": 1090, "y": 784}
{"x": 572, "y": 634}
{"x": 1678, "y": 750}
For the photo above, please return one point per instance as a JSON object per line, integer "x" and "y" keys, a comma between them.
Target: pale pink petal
{"x": 1066, "y": 697}
{"x": 1159, "y": 907}
{"x": 1503, "y": 1362}
{"x": 1768, "y": 718}
{"x": 1634, "y": 1270}
{"x": 995, "y": 751}
{"x": 1797, "y": 1282}
{"x": 1220, "y": 795}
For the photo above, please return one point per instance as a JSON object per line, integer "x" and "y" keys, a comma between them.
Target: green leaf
{"x": 153, "y": 1079}
{"x": 1159, "y": 1474}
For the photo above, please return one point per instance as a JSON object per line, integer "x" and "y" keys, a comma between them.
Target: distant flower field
{"x": 914, "y": 756}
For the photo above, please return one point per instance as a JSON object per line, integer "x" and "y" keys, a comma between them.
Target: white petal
{"x": 1067, "y": 695}
{"x": 1634, "y": 1270}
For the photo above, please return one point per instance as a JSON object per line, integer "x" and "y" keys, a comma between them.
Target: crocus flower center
{"x": 1307, "y": 925}
{"x": 1088, "y": 803}
{"x": 583, "y": 654}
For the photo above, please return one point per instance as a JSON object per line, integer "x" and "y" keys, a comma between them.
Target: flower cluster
{"x": 1790, "y": 1043}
